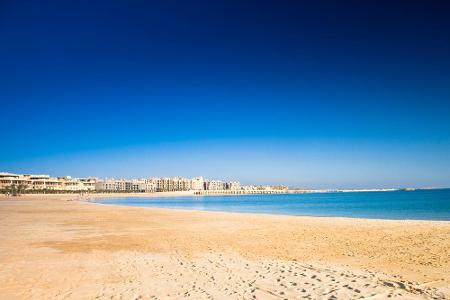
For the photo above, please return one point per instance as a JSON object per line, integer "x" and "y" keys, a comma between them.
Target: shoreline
{"x": 267, "y": 214}
{"x": 188, "y": 194}
{"x": 227, "y": 192}
{"x": 91, "y": 198}
{"x": 106, "y": 196}
{"x": 58, "y": 234}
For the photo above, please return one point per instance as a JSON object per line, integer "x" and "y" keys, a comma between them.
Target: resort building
{"x": 249, "y": 188}
{"x": 171, "y": 184}
{"x": 233, "y": 185}
{"x": 110, "y": 185}
{"x": 70, "y": 184}
{"x": 88, "y": 183}
{"x": 45, "y": 182}
{"x": 182, "y": 184}
{"x": 280, "y": 187}
{"x": 67, "y": 183}
{"x": 197, "y": 183}
{"x": 147, "y": 185}
{"x": 77, "y": 184}
{"x": 133, "y": 185}
{"x": 215, "y": 185}
{"x": 164, "y": 184}
{"x": 9, "y": 179}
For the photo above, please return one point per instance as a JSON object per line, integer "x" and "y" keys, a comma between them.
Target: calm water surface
{"x": 417, "y": 205}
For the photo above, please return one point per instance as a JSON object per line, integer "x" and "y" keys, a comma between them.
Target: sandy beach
{"x": 57, "y": 247}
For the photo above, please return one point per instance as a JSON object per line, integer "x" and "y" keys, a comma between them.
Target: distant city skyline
{"x": 323, "y": 94}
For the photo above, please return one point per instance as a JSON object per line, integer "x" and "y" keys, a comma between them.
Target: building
{"x": 133, "y": 185}
{"x": 182, "y": 184}
{"x": 88, "y": 183}
{"x": 280, "y": 187}
{"x": 171, "y": 184}
{"x": 45, "y": 182}
{"x": 233, "y": 185}
{"x": 70, "y": 184}
{"x": 164, "y": 184}
{"x": 111, "y": 185}
{"x": 248, "y": 188}
{"x": 197, "y": 183}
{"x": 105, "y": 185}
{"x": 77, "y": 184}
{"x": 10, "y": 179}
{"x": 215, "y": 185}
{"x": 67, "y": 183}
{"x": 147, "y": 185}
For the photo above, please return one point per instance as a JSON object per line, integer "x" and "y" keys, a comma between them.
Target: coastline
{"x": 104, "y": 200}
{"x": 55, "y": 230}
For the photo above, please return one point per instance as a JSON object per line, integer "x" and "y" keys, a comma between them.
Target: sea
{"x": 429, "y": 204}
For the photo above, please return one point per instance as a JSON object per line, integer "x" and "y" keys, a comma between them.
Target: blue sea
{"x": 397, "y": 205}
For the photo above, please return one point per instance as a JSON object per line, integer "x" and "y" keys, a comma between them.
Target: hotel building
{"x": 215, "y": 185}
{"x": 45, "y": 182}
{"x": 197, "y": 183}
{"x": 134, "y": 185}
{"x": 171, "y": 184}
{"x": 9, "y": 179}
{"x": 233, "y": 185}
{"x": 67, "y": 183}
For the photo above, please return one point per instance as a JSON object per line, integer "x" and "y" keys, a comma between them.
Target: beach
{"x": 58, "y": 247}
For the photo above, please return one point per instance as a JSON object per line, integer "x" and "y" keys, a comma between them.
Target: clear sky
{"x": 306, "y": 93}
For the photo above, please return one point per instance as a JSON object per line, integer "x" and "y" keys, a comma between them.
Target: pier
{"x": 239, "y": 192}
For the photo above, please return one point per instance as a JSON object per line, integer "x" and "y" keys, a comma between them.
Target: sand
{"x": 56, "y": 247}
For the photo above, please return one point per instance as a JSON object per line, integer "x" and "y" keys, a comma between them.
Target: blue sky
{"x": 322, "y": 94}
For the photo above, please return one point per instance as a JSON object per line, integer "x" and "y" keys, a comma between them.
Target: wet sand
{"x": 53, "y": 246}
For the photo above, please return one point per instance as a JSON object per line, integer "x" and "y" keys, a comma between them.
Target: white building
{"x": 233, "y": 185}
{"x": 71, "y": 184}
{"x": 67, "y": 183}
{"x": 89, "y": 183}
{"x": 10, "y": 179}
{"x": 111, "y": 185}
{"x": 171, "y": 184}
{"x": 197, "y": 183}
{"x": 45, "y": 182}
{"x": 215, "y": 185}
{"x": 147, "y": 185}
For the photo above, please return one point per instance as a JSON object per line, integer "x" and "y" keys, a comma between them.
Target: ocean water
{"x": 398, "y": 205}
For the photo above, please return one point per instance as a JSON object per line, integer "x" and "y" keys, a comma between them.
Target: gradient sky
{"x": 306, "y": 93}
